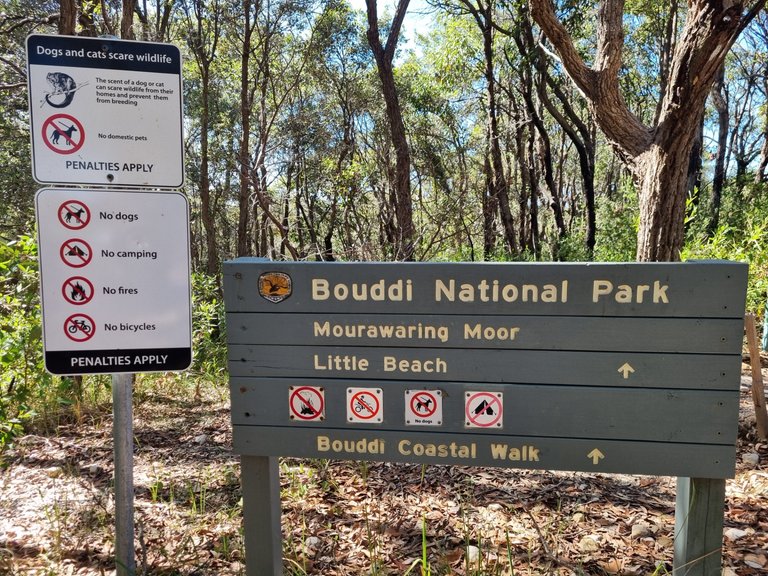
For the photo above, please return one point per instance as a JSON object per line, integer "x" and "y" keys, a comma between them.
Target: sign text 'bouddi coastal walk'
{"x": 628, "y": 368}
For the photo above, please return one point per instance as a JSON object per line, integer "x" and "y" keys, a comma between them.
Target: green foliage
{"x": 29, "y": 394}
{"x": 617, "y": 223}
{"x": 740, "y": 236}
{"x": 21, "y": 360}
{"x": 208, "y": 340}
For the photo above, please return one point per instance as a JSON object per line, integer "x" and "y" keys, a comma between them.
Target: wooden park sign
{"x": 618, "y": 368}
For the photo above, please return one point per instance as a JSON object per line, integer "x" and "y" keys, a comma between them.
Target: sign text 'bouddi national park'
{"x": 629, "y": 368}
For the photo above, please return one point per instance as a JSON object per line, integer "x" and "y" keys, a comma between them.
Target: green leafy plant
{"x": 745, "y": 244}
{"x": 21, "y": 360}
{"x": 208, "y": 328}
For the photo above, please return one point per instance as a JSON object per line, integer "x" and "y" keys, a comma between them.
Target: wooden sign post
{"x": 617, "y": 368}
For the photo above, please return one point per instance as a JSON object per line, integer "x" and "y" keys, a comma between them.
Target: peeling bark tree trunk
{"x": 67, "y": 17}
{"x": 658, "y": 155}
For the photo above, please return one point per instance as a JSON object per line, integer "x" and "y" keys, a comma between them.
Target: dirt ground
{"x": 343, "y": 517}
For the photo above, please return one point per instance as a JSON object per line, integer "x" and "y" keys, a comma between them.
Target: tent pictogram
{"x": 306, "y": 403}
{"x": 75, "y": 253}
{"x": 74, "y": 214}
{"x": 364, "y": 405}
{"x": 64, "y": 134}
{"x": 483, "y": 409}
{"x": 77, "y": 290}
{"x": 79, "y": 327}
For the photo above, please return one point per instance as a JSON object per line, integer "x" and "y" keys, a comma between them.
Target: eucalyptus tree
{"x": 483, "y": 13}
{"x": 443, "y": 110}
{"x": 746, "y": 91}
{"x": 737, "y": 98}
{"x": 758, "y": 35}
{"x": 564, "y": 109}
{"x": 384, "y": 53}
{"x": 657, "y": 154}
{"x": 533, "y": 91}
{"x": 202, "y": 29}
{"x": 332, "y": 204}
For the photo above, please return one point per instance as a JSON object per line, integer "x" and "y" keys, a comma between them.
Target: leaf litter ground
{"x": 344, "y": 517}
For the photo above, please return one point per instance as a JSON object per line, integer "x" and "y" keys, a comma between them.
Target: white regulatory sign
{"x": 105, "y": 112}
{"x": 114, "y": 276}
{"x": 423, "y": 408}
{"x": 365, "y": 405}
{"x": 483, "y": 409}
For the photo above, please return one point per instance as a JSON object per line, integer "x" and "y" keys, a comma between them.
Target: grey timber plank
{"x": 612, "y": 456}
{"x": 696, "y": 371}
{"x": 686, "y": 335}
{"x": 699, "y": 512}
{"x": 260, "y": 478}
{"x": 657, "y": 415}
{"x": 691, "y": 289}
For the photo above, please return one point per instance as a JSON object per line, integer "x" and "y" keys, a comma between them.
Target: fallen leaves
{"x": 346, "y": 518}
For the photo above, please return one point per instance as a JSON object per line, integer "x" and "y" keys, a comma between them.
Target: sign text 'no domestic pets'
{"x": 105, "y": 112}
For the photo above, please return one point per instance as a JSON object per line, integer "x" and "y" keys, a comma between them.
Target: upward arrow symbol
{"x": 596, "y": 456}
{"x": 626, "y": 370}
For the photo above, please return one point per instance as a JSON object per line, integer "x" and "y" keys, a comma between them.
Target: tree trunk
{"x": 203, "y": 47}
{"x": 206, "y": 214}
{"x": 582, "y": 138}
{"x": 67, "y": 16}
{"x": 490, "y": 205}
{"x": 126, "y": 22}
{"x": 658, "y": 156}
{"x": 499, "y": 189}
{"x": 718, "y": 179}
{"x": 693, "y": 186}
{"x": 662, "y": 214}
{"x": 384, "y": 54}
{"x": 246, "y": 99}
{"x": 762, "y": 168}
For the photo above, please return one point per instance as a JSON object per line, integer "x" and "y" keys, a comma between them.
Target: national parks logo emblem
{"x": 275, "y": 286}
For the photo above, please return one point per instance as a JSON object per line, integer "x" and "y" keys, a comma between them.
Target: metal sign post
{"x": 114, "y": 265}
{"x": 122, "y": 437}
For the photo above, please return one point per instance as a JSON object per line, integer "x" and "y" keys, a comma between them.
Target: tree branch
{"x": 544, "y": 15}
{"x": 600, "y": 86}
{"x": 610, "y": 37}
{"x": 397, "y": 24}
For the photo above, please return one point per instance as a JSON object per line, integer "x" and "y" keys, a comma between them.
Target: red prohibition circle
{"x": 364, "y": 404}
{"x": 77, "y": 290}
{"x": 416, "y": 401}
{"x": 316, "y": 412}
{"x": 75, "y": 253}
{"x": 493, "y": 400}
{"x": 60, "y": 131}
{"x": 79, "y": 327}
{"x": 74, "y": 214}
